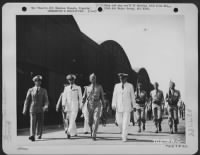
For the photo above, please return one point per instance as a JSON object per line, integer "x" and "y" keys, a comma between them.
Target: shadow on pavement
{"x": 140, "y": 134}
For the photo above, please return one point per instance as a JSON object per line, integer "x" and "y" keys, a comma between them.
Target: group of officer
{"x": 125, "y": 102}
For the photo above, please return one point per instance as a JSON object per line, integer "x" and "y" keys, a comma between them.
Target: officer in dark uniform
{"x": 173, "y": 97}
{"x": 37, "y": 102}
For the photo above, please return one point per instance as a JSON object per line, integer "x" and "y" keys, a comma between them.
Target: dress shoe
{"x": 39, "y": 137}
{"x": 94, "y": 138}
{"x": 32, "y": 138}
{"x": 156, "y": 130}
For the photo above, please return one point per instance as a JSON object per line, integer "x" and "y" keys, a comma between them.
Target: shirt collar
{"x": 37, "y": 87}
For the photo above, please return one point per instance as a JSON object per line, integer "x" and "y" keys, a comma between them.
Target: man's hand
{"x": 24, "y": 112}
{"x": 113, "y": 107}
{"x": 45, "y": 108}
{"x": 57, "y": 109}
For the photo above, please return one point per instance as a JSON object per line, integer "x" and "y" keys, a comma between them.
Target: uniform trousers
{"x": 157, "y": 113}
{"x": 86, "y": 127}
{"x": 36, "y": 123}
{"x": 173, "y": 115}
{"x": 94, "y": 111}
{"x": 71, "y": 127}
{"x": 123, "y": 120}
{"x": 65, "y": 120}
{"x": 140, "y": 112}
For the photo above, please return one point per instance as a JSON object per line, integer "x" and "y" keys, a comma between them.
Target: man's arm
{"x": 102, "y": 96}
{"x": 59, "y": 102}
{"x": 46, "y": 100}
{"x": 80, "y": 97}
{"x": 114, "y": 98}
{"x": 27, "y": 101}
{"x": 132, "y": 96}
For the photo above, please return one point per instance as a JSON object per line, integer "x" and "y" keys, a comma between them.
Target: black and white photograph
{"x": 101, "y": 79}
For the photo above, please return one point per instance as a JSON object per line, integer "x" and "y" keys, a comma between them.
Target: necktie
{"x": 71, "y": 86}
{"x": 37, "y": 91}
{"x": 122, "y": 86}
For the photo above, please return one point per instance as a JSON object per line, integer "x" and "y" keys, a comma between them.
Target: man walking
{"x": 173, "y": 97}
{"x": 71, "y": 101}
{"x": 95, "y": 100}
{"x": 123, "y": 102}
{"x": 157, "y": 101}
{"x": 141, "y": 101}
{"x": 37, "y": 102}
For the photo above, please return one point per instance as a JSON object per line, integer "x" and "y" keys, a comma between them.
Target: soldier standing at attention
{"x": 141, "y": 101}
{"x": 71, "y": 102}
{"x": 123, "y": 101}
{"x": 37, "y": 102}
{"x": 95, "y": 100}
{"x": 173, "y": 97}
{"x": 157, "y": 101}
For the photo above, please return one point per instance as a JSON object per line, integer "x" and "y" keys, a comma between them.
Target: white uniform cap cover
{"x": 122, "y": 74}
{"x": 37, "y": 77}
{"x": 71, "y": 76}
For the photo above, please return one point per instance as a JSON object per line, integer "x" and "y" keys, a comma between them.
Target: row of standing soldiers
{"x": 125, "y": 102}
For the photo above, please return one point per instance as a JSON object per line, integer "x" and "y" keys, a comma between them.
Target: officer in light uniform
{"x": 157, "y": 101}
{"x": 123, "y": 102}
{"x": 71, "y": 101}
{"x": 173, "y": 97}
{"x": 37, "y": 102}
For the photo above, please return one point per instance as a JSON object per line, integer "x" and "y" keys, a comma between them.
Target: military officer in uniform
{"x": 157, "y": 101}
{"x": 71, "y": 102}
{"x": 95, "y": 100}
{"x": 123, "y": 102}
{"x": 36, "y": 102}
{"x": 173, "y": 97}
{"x": 141, "y": 102}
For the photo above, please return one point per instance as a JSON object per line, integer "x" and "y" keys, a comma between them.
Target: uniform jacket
{"x": 173, "y": 98}
{"x": 72, "y": 98}
{"x": 35, "y": 101}
{"x": 157, "y": 97}
{"x": 123, "y": 99}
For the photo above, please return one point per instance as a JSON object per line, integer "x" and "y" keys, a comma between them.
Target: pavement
{"x": 106, "y": 135}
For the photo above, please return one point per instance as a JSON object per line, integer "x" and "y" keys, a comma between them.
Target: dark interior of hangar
{"x": 54, "y": 46}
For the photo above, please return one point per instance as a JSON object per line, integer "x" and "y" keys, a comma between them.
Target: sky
{"x": 155, "y": 42}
